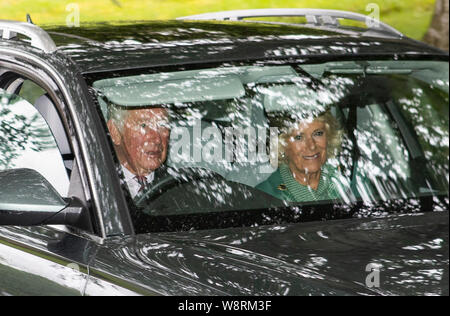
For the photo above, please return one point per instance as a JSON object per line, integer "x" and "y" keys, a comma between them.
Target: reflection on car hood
{"x": 322, "y": 258}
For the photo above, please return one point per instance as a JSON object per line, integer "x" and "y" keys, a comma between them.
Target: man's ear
{"x": 115, "y": 134}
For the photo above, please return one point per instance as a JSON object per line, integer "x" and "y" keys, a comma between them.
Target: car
{"x": 213, "y": 220}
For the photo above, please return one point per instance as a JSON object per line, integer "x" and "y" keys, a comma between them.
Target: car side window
{"x": 26, "y": 139}
{"x": 30, "y": 91}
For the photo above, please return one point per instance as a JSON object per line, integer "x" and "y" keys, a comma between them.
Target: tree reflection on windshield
{"x": 260, "y": 145}
{"x": 20, "y": 130}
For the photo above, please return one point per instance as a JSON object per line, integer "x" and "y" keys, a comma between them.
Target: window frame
{"x": 78, "y": 184}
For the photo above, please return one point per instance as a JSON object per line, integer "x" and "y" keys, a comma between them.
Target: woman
{"x": 303, "y": 173}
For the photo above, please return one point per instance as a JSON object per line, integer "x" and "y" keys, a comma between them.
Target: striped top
{"x": 326, "y": 189}
{"x": 283, "y": 185}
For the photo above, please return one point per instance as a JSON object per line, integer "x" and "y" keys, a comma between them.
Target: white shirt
{"x": 133, "y": 183}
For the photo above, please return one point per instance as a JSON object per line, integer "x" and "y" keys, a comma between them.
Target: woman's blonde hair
{"x": 333, "y": 129}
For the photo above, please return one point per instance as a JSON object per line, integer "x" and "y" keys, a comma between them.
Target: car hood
{"x": 398, "y": 255}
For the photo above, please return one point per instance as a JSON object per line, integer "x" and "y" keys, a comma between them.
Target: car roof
{"x": 114, "y": 46}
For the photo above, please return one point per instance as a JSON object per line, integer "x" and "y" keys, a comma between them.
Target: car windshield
{"x": 256, "y": 144}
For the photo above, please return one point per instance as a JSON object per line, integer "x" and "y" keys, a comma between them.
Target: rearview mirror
{"x": 28, "y": 199}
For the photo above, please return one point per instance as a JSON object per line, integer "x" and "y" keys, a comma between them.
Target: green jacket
{"x": 282, "y": 185}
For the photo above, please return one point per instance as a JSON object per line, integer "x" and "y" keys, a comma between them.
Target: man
{"x": 141, "y": 138}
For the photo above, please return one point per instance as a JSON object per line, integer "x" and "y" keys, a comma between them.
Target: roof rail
{"x": 39, "y": 38}
{"x": 318, "y": 17}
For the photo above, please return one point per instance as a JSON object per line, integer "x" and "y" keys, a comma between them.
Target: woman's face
{"x": 306, "y": 148}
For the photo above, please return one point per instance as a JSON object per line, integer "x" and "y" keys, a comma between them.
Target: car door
{"x": 39, "y": 260}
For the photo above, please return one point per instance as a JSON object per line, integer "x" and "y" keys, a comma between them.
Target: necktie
{"x": 142, "y": 180}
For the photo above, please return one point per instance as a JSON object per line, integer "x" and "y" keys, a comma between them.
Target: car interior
{"x": 15, "y": 84}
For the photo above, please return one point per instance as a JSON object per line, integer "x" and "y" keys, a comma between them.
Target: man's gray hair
{"x": 118, "y": 115}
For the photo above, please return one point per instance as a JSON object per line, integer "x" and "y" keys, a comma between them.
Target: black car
{"x": 214, "y": 155}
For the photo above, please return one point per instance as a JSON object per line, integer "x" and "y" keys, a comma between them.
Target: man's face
{"x": 145, "y": 137}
